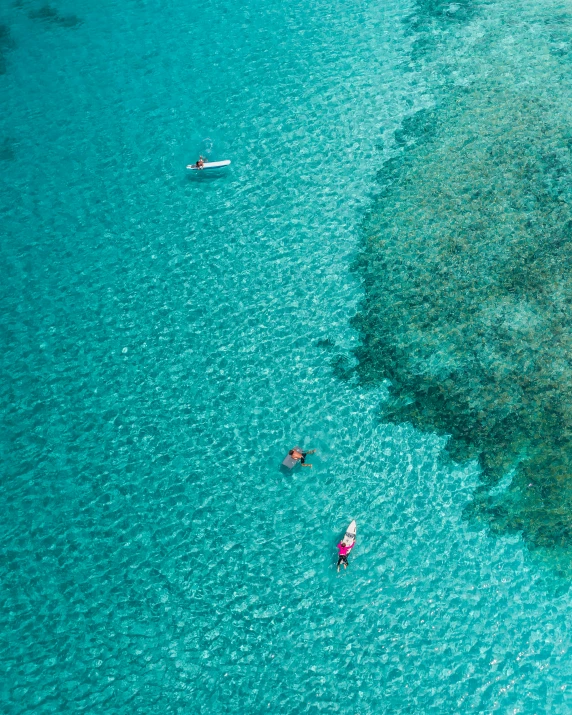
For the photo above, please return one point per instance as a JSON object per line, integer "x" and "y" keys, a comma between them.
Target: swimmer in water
{"x": 300, "y": 456}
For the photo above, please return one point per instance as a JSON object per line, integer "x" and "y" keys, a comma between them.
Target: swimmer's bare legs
{"x": 311, "y": 451}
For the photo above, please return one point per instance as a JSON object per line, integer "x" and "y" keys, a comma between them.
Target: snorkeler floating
{"x": 300, "y": 456}
{"x": 296, "y": 456}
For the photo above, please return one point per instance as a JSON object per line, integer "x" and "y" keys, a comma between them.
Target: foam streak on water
{"x": 165, "y": 339}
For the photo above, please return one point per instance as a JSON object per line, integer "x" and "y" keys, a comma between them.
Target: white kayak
{"x": 209, "y": 165}
{"x": 350, "y": 535}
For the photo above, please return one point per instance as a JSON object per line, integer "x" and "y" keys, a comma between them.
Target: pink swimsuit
{"x": 344, "y": 550}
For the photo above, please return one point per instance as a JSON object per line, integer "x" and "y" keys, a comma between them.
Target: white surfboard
{"x": 209, "y": 165}
{"x": 350, "y": 535}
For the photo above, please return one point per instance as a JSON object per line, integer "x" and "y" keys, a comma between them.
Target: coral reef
{"x": 467, "y": 275}
{"x": 49, "y": 14}
{"x": 6, "y": 43}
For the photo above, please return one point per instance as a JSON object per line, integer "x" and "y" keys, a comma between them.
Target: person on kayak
{"x": 343, "y": 551}
{"x": 297, "y": 454}
{"x": 200, "y": 162}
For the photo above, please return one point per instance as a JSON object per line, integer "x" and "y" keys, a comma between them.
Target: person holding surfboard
{"x": 343, "y": 551}
{"x": 200, "y": 162}
{"x": 346, "y": 545}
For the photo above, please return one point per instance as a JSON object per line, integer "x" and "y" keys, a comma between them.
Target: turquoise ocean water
{"x": 166, "y": 338}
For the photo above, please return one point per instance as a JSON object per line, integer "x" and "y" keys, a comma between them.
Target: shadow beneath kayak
{"x": 208, "y": 176}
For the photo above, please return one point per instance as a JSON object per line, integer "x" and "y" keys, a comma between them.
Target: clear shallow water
{"x": 166, "y": 339}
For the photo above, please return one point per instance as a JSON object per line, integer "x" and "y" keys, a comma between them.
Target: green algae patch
{"x": 467, "y": 272}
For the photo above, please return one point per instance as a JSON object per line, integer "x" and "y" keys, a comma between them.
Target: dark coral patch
{"x": 6, "y": 43}
{"x": 7, "y": 150}
{"x": 50, "y": 14}
{"x": 325, "y": 343}
{"x": 467, "y": 272}
{"x": 431, "y": 20}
